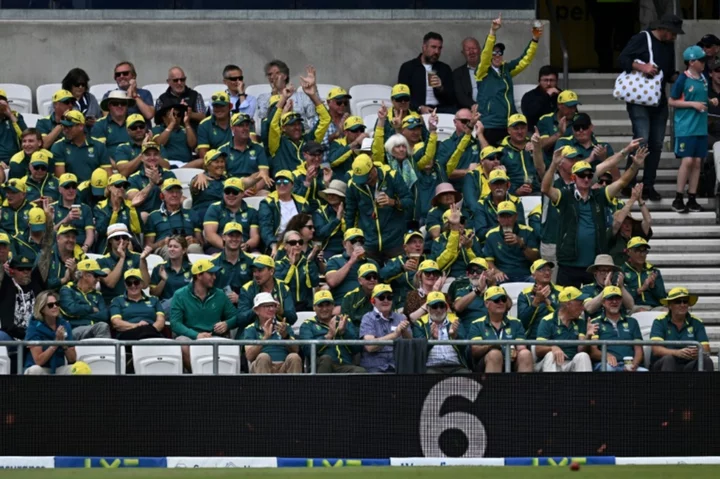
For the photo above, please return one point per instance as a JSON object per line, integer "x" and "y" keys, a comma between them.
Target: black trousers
{"x": 573, "y": 276}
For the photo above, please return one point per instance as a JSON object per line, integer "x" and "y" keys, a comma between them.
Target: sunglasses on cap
{"x": 132, "y": 282}
{"x": 283, "y": 181}
{"x": 475, "y": 271}
{"x": 371, "y": 277}
{"x": 231, "y": 192}
{"x": 299, "y": 242}
{"x": 217, "y": 97}
{"x": 178, "y": 80}
{"x": 342, "y": 102}
{"x": 125, "y": 73}
{"x": 438, "y": 306}
{"x": 501, "y": 299}
{"x": 40, "y": 167}
{"x": 580, "y": 127}
{"x": 117, "y": 103}
{"x": 681, "y": 301}
{"x": 360, "y": 241}
{"x": 384, "y": 297}
{"x": 51, "y": 305}
{"x": 238, "y": 78}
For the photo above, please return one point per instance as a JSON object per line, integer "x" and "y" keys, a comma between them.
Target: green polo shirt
{"x": 547, "y": 125}
{"x": 162, "y": 224}
{"x": 585, "y": 235}
{"x": 233, "y": 275}
{"x": 133, "y": 311}
{"x": 240, "y": 164}
{"x": 80, "y": 160}
{"x": 350, "y": 282}
{"x": 201, "y": 200}
{"x": 475, "y": 310}
{"x": 277, "y": 353}
{"x": 519, "y": 165}
{"x": 663, "y": 329}
{"x": 109, "y": 132}
{"x": 510, "y": 259}
{"x": 10, "y": 136}
{"x": 126, "y": 152}
{"x": 189, "y": 315}
{"x": 46, "y": 125}
{"x": 529, "y": 315}
{"x": 47, "y": 187}
{"x": 176, "y": 148}
{"x": 211, "y": 135}
{"x": 356, "y": 304}
{"x": 82, "y": 224}
{"x": 15, "y": 222}
{"x": 314, "y": 329}
{"x": 58, "y": 269}
{"x": 107, "y": 263}
{"x": 218, "y": 214}
{"x": 138, "y": 181}
{"x": 483, "y": 329}
{"x": 634, "y": 280}
{"x": 584, "y": 152}
{"x": 625, "y": 329}
{"x": 175, "y": 281}
{"x": 551, "y": 328}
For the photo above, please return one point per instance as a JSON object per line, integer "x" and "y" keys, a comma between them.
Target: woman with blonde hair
{"x": 46, "y": 325}
{"x": 297, "y": 270}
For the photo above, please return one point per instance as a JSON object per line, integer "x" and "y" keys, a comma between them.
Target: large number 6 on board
{"x": 432, "y": 425}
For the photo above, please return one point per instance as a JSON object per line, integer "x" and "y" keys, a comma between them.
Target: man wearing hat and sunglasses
{"x": 231, "y": 208}
{"x": 400, "y": 271}
{"x": 146, "y": 183}
{"x": 14, "y": 218}
{"x": 76, "y": 153}
{"x": 678, "y": 324}
{"x": 12, "y": 125}
{"x": 485, "y": 215}
{"x": 276, "y": 210}
{"x": 537, "y": 301}
{"x": 384, "y": 325}
{"x": 345, "y": 149}
{"x": 39, "y": 184}
{"x": 129, "y": 156}
{"x": 245, "y": 157}
{"x": 264, "y": 281}
{"x": 456, "y": 246}
{"x": 643, "y": 280}
{"x": 605, "y": 273}
{"x": 50, "y": 127}
{"x": 215, "y": 130}
{"x": 557, "y": 124}
{"x": 310, "y": 177}
{"x": 458, "y": 155}
{"x": 342, "y": 270}
{"x": 356, "y": 302}
{"x": 400, "y": 100}
{"x": 476, "y": 183}
{"x": 111, "y": 129}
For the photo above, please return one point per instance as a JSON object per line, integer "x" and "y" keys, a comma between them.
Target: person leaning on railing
{"x": 47, "y": 326}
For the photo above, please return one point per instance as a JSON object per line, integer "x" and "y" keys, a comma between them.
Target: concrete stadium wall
{"x": 694, "y": 31}
{"x": 345, "y": 52}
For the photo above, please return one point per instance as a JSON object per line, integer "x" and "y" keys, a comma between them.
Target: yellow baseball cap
{"x": 570, "y": 294}
{"x": 323, "y": 296}
{"x": 39, "y": 158}
{"x": 72, "y": 118}
{"x": 338, "y": 92}
{"x": 150, "y": 145}
{"x": 212, "y": 155}
{"x": 570, "y": 152}
{"x": 263, "y": 261}
{"x": 133, "y": 273}
{"x": 507, "y": 207}
{"x": 412, "y": 121}
{"x": 498, "y": 175}
{"x": 16, "y": 185}
{"x": 366, "y": 269}
{"x": 134, "y": 118}
{"x": 91, "y": 266}
{"x": 171, "y": 183}
{"x": 353, "y": 233}
{"x": 361, "y": 167}
{"x": 568, "y": 98}
{"x": 68, "y": 179}
{"x": 428, "y": 265}
{"x": 435, "y": 297}
{"x": 581, "y": 166}
{"x": 517, "y": 118}
{"x": 4, "y": 238}
{"x": 36, "y": 218}
{"x": 539, "y": 264}
{"x": 494, "y": 292}
{"x": 354, "y": 123}
{"x": 289, "y": 118}
{"x": 285, "y": 174}
{"x": 220, "y": 98}
{"x": 232, "y": 227}
{"x": 400, "y": 90}
{"x": 677, "y": 293}
{"x": 479, "y": 262}
{"x": 61, "y": 95}
{"x": 240, "y": 118}
{"x": 118, "y": 179}
{"x": 412, "y": 234}
{"x": 204, "y": 266}
{"x": 234, "y": 184}
{"x": 490, "y": 152}
{"x": 98, "y": 181}
{"x": 381, "y": 288}
{"x": 273, "y": 99}
{"x": 612, "y": 292}
{"x": 637, "y": 241}
{"x": 67, "y": 229}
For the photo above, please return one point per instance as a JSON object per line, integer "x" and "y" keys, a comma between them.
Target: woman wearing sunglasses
{"x": 134, "y": 315}
{"x": 298, "y": 271}
{"x": 115, "y": 208}
{"x": 77, "y": 82}
{"x": 46, "y": 325}
{"x": 428, "y": 279}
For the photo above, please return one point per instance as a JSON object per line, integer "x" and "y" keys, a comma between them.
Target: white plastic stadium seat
{"x": 187, "y": 203}
{"x": 369, "y": 121}
{"x": 207, "y": 91}
{"x": 185, "y": 175}
{"x": 302, "y": 316}
{"x": 94, "y": 256}
{"x": 253, "y": 201}
{"x": 513, "y": 290}
{"x": 4, "y": 361}
{"x": 157, "y": 360}
{"x": 31, "y": 119}
{"x": 152, "y": 261}
{"x": 257, "y": 90}
{"x": 530, "y": 203}
{"x": 201, "y": 358}
{"x": 100, "y": 358}
{"x": 645, "y": 320}
{"x": 444, "y": 133}
{"x": 19, "y": 97}
{"x": 100, "y": 89}
{"x": 519, "y": 91}
{"x": 445, "y": 120}
{"x": 195, "y": 257}
{"x": 323, "y": 89}
{"x": 367, "y": 99}
{"x": 43, "y": 97}
{"x": 156, "y": 89}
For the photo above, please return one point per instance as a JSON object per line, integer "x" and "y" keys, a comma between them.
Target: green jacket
{"x": 77, "y": 307}
{"x": 485, "y": 217}
{"x": 520, "y": 166}
{"x": 634, "y": 280}
{"x": 281, "y": 293}
{"x": 300, "y": 278}
{"x": 567, "y": 245}
{"x": 495, "y": 89}
{"x": 340, "y": 158}
{"x": 394, "y": 274}
{"x": 329, "y": 229}
{"x": 457, "y": 153}
{"x": 450, "y": 257}
{"x": 356, "y": 304}
{"x": 269, "y": 216}
{"x": 422, "y": 329}
{"x": 190, "y": 316}
{"x": 314, "y": 329}
{"x": 529, "y": 315}
{"x": 284, "y": 153}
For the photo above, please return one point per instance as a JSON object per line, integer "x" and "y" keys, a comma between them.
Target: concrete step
{"x": 683, "y": 233}
{"x": 694, "y": 284}
{"x": 662, "y": 260}
{"x": 597, "y": 96}
{"x": 666, "y": 203}
{"x": 661, "y": 247}
{"x": 605, "y": 112}
{"x": 590, "y": 80}
{"x": 673, "y": 218}
{"x": 705, "y": 303}
{"x": 711, "y": 320}
{"x": 692, "y": 275}
{"x": 620, "y": 127}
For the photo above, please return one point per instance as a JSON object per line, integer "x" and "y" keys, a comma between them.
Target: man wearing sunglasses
{"x": 518, "y": 158}
{"x": 77, "y": 153}
{"x": 643, "y": 281}
{"x": 235, "y": 82}
{"x": 231, "y": 209}
{"x": 326, "y": 325}
{"x": 498, "y": 326}
{"x": 344, "y": 150}
{"x": 565, "y": 323}
{"x": 338, "y": 104}
{"x": 278, "y": 208}
{"x": 400, "y": 99}
{"x": 476, "y": 183}
{"x": 49, "y": 126}
{"x": 485, "y": 216}
{"x": 214, "y": 131}
{"x": 70, "y": 211}
{"x": 126, "y": 79}
{"x": 458, "y": 155}
{"x": 400, "y": 271}
{"x": 678, "y": 324}
{"x": 557, "y": 124}
{"x": 129, "y": 156}
{"x": 18, "y": 289}
{"x": 510, "y": 248}
{"x": 537, "y": 301}
{"x": 12, "y": 125}
{"x": 584, "y": 141}
{"x": 14, "y": 218}
{"x": 145, "y": 184}
{"x": 605, "y": 273}
{"x": 583, "y": 231}
{"x": 179, "y": 93}
{"x": 82, "y": 305}
{"x": 245, "y": 157}
{"x": 356, "y": 302}
{"x": 111, "y": 129}
{"x": 38, "y": 182}
{"x": 384, "y": 325}
{"x": 235, "y": 264}
{"x": 456, "y": 246}
{"x": 442, "y": 324}
{"x": 287, "y": 133}
{"x": 264, "y": 281}
{"x": 466, "y": 293}
{"x": 341, "y": 271}
{"x": 310, "y": 178}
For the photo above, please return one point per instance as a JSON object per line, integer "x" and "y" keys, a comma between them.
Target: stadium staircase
{"x": 686, "y": 247}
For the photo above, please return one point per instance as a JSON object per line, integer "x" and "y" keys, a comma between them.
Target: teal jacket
{"x": 286, "y": 154}
{"x": 300, "y": 278}
{"x": 269, "y": 216}
{"x": 495, "y": 89}
{"x": 457, "y": 153}
{"x": 422, "y": 329}
{"x": 329, "y": 229}
{"x": 485, "y": 217}
{"x": 450, "y": 256}
{"x": 77, "y": 307}
{"x": 314, "y": 329}
{"x": 281, "y": 293}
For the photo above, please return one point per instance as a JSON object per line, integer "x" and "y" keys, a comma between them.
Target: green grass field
{"x": 589, "y": 472}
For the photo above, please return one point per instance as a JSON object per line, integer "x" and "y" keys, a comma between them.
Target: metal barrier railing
{"x": 505, "y": 344}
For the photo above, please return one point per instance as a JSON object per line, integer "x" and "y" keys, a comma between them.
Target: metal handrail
{"x": 314, "y": 343}
{"x": 563, "y": 46}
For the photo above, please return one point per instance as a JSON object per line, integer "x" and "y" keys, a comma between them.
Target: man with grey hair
{"x": 464, "y": 75}
{"x": 179, "y": 93}
{"x": 278, "y": 75}
{"x": 82, "y": 305}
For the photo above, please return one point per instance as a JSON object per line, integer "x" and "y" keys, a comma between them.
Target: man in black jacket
{"x": 430, "y": 80}
{"x": 464, "y": 75}
{"x": 179, "y": 92}
{"x": 543, "y": 99}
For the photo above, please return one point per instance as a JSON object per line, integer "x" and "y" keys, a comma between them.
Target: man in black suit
{"x": 543, "y": 99}
{"x": 464, "y": 75}
{"x": 430, "y": 80}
